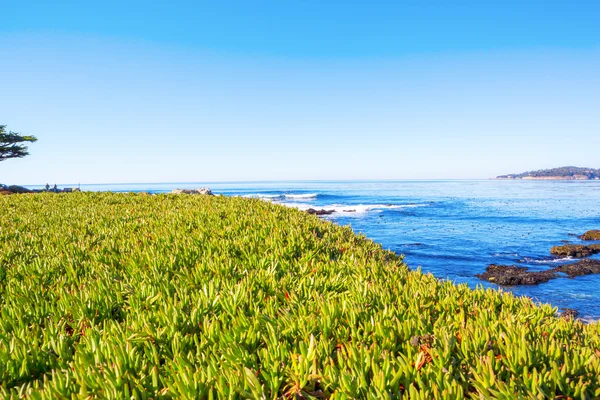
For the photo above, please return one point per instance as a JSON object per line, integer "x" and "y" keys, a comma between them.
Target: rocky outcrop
{"x": 569, "y": 313}
{"x": 583, "y": 267}
{"x": 319, "y": 212}
{"x": 202, "y": 191}
{"x": 575, "y": 250}
{"x": 591, "y": 235}
{"x": 18, "y": 189}
{"x": 510, "y": 275}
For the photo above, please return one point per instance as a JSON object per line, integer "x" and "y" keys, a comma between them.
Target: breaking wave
{"x": 357, "y": 209}
{"x": 300, "y": 196}
{"x": 269, "y": 196}
{"x": 530, "y": 260}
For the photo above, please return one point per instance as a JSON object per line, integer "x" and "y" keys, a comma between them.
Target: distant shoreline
{"x": 557, "y": 174}
{"x": 548, "y": 178}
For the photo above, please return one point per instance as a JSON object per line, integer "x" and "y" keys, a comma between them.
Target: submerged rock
{"x": 510, "y": 275}
{"x": 575, "y": 250}
{"x": 319, "y": 212}
{"x": 591, "y": 235}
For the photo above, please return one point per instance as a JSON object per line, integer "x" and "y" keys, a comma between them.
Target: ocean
{"x": 450, "y": 228}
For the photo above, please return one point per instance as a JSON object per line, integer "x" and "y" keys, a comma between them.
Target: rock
{"x": 202, "y": 191}
{"x": 205, "y": 191}
{"x": 591, "y": 235}
{"x": 575, "y": 250}
{"x": 569, "y": 313}
{"x": 18, "y": 189}
{"x": 319, "y": 212}
{"x": 509, "y": 275}
{"x": 583, "y": 267}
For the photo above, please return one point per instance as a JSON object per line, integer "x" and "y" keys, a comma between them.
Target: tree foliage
{"x": 11, "y": 144}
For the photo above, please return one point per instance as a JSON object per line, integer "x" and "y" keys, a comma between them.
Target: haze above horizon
{"x": 298, "y": 90}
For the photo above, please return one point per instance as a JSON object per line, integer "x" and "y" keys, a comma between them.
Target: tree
{"x": 10, "y": 144}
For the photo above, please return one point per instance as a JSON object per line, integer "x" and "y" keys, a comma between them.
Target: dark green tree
{"x": 11, "y": 144}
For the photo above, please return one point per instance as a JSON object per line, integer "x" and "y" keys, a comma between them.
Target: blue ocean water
{"x": 451, "y": 228}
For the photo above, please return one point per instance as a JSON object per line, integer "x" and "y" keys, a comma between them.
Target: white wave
{"x": 262, "y": 196}
{"x": 409, "y": 205}
{"x": 545, "y": 260}
{"x": 349, "y": 210}
{"x": 581, "y": 295}
{"x": 301, "y": 196}
{"x": 588, "y": 320}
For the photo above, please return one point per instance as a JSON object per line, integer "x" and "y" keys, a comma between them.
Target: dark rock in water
{"x": 349, "y": 210}
{"x": 509, "y": 275}
{"x": 575, "y": 250}
{"x": 569, "y": 313}
{"x": 591, "y": 235}
{"x": 580, "y": 268}
{"x": 319, "y": 212}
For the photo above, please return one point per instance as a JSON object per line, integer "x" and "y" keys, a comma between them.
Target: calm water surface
{"x": 453, "y": 229}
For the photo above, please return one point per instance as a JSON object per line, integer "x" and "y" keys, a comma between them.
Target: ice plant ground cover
{"x": 131, "y": 295}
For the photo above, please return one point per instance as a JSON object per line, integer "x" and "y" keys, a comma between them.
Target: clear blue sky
{"x": 138, "y": 91}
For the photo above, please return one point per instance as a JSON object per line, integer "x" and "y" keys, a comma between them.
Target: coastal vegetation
{"x": 160, "y": 296}
{"x": 562, "y": 173}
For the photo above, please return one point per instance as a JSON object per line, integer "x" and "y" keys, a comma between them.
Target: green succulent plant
{"x": 116, "y": 296}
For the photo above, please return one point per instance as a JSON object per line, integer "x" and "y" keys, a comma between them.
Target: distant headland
{"x": 562, "y": 173}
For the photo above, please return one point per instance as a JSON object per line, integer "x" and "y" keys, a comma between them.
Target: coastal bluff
{"x": 562, "y": 173}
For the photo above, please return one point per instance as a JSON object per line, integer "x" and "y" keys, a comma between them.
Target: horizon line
{"x": 275, "y": 181}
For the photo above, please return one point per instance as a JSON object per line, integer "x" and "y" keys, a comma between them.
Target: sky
{"x": 200, "y": 91}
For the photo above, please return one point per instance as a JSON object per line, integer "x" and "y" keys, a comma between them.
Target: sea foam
{"x": 355, "y": 209}
{"x": 301, "y": 196}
